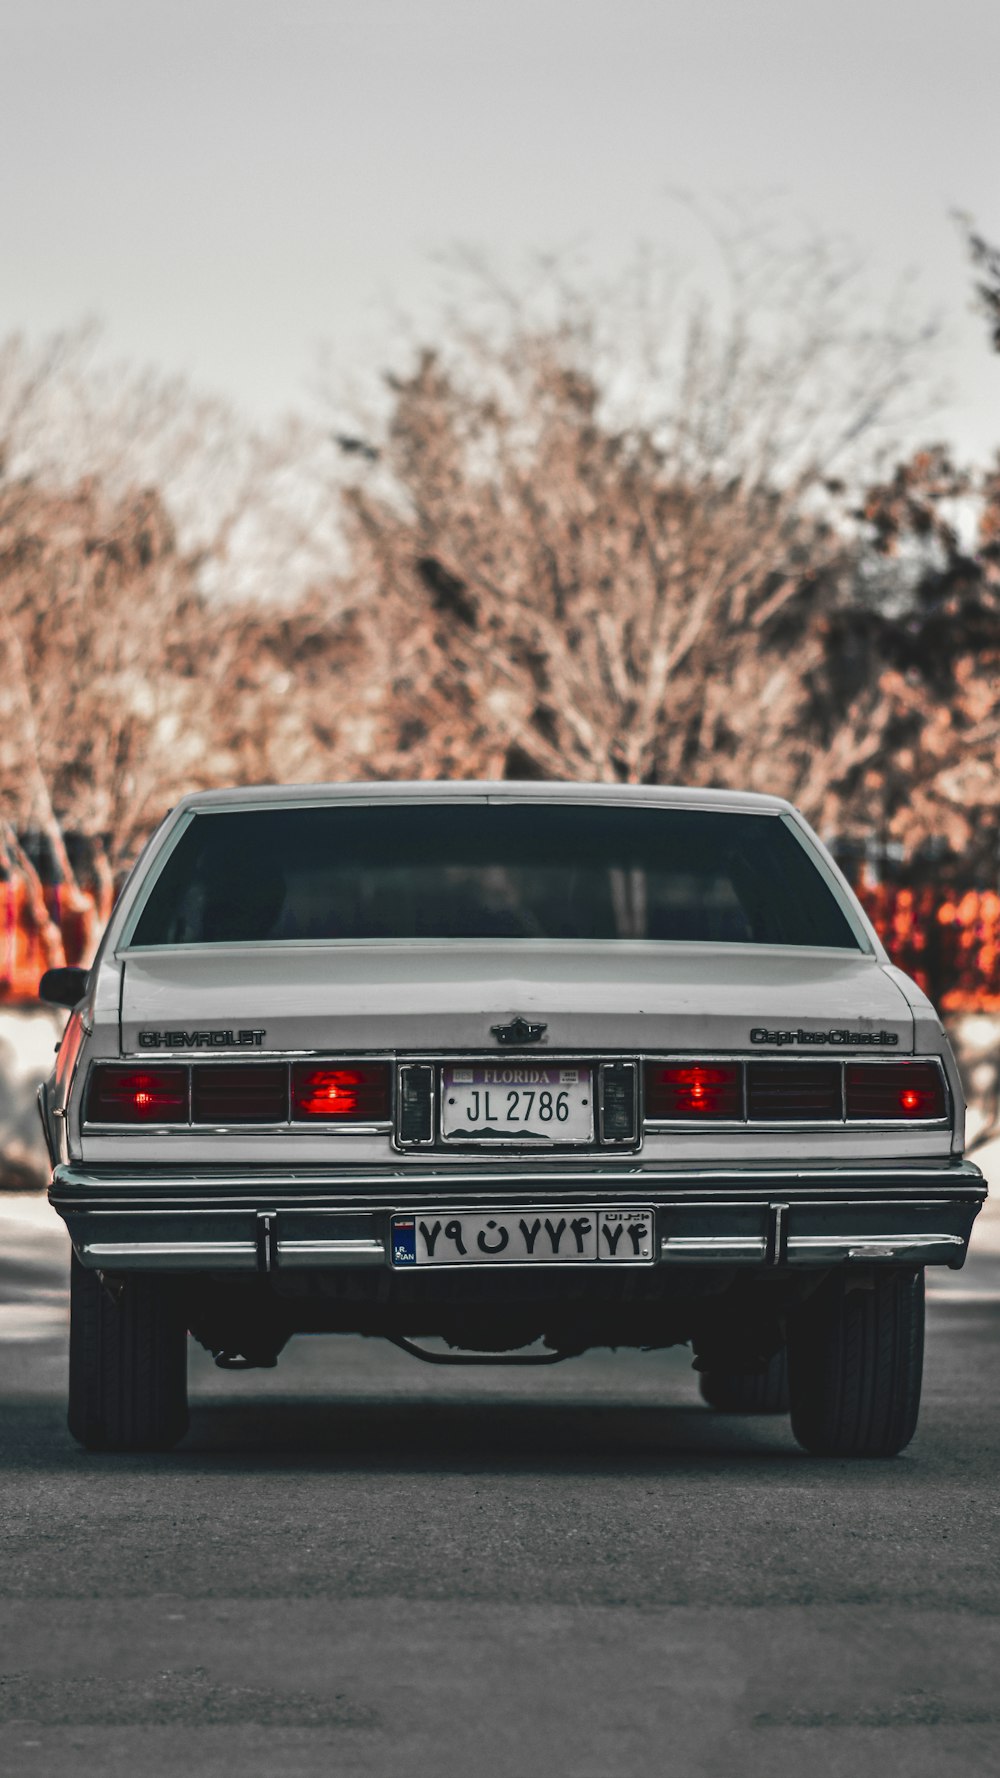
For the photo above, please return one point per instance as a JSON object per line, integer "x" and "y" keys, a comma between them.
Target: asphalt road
{"x": 357, "y": 1565}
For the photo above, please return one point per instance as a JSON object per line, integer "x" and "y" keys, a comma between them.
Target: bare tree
{"x": 914, "y": 679}
{"x": 93, "y": 595}
{"x": 547, "y": 587}
{"x": 631, "y": 539}
{"x": 704, "y": 590}
{"x": 137, "y": 657}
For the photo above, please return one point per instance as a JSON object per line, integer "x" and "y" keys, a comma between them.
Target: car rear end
{"x": 504, "y": 1065}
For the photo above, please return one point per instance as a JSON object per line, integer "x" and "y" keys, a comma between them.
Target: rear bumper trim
{"x": 713, "y": 1247}
{"x": 922, "y": 1248}
{"x": 819, "y": 1250}
{"x": 779, "y": 1221}
{"x": 420, "y": 1182}
{"x": 330, "y": 1252}
{"x": 168, "y": 1256}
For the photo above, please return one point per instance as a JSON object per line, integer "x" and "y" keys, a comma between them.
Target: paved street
{"x": 359, "y": 1565}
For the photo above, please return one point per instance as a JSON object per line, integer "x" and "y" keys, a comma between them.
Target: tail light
{"x": 235, "y": 1094}
{"x": 137, "y": 1096}
{"x": 340, "y": 1092}
{"x": 239, "y": 1093}
{"x": 696, "y": 1090}
{"x": 900, "y": 1090}
{"x": 789, "y": 1092}
{"x": 794, "y": 1092}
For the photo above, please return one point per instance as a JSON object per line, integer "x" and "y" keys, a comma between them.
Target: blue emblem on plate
{"x": 404, "y": 1241}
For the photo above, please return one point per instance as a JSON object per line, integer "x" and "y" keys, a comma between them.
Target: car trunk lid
{"x": 446, "y": 997}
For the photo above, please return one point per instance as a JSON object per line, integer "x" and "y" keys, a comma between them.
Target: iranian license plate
{"x": 521, "y": 1237}
{"x": 516, "y": 1102}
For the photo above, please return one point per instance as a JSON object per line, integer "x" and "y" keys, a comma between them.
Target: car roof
{"x": 473, "y": 789}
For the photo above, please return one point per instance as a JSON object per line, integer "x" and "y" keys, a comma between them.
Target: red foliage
{"x": 947, "y": 940}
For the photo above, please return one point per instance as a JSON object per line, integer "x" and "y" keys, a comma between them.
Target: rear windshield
{"x": 495, "y": 871}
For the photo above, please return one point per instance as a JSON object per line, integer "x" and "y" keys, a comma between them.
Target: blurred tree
{"x": 545, "y": 592}
{"x": 94, "y": 600}
{"x": 913, "y": 663}
{"x": 986, "y": 259}
{"x": 543, "y": 596}
{"x": 664, "y": 561}
{"x": 918, "y": 680}
{"x": 286, "y": 686}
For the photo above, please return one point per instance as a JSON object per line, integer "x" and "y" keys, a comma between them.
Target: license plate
{"x": 522, "y": 1237}
{"x": 516, "y": 1102}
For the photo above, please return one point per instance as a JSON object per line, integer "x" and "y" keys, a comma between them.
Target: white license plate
{"x": 521, "y": 1237}
{"x": 516, "y": 1102}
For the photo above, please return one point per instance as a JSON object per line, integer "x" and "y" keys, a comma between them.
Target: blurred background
{"x": 577, "y": 390}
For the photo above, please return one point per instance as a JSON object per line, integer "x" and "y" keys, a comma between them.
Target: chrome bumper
{"x": 162, "y": 1220}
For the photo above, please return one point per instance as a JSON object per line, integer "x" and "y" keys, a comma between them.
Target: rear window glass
{"x": 495, "y": 871}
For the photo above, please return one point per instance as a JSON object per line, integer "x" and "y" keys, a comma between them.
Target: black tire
{"x": 127, "y": 1363}
{"x": 855, "y": 1363}
{"x": 749, "y": 1392}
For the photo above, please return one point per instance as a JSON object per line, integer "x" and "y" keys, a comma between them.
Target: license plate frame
{"x": 475, "y": 1099}
{"x": 408, "y": 1241}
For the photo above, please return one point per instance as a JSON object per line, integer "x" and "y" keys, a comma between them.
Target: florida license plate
{"x": 516, "y": 1102}
{"x": 521, "y": 1237}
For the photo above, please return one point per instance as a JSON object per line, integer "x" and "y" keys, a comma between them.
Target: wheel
{"x": 127, "y": 1363}
{"x": 749, "y": 1392}
{"x": 855, "y": 1363}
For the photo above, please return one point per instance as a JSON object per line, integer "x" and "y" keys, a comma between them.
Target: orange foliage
{"x": 948, "y": 941}
{"x": 30, "y": 941}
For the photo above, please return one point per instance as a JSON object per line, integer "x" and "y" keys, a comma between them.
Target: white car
{"x": 515, "y": 1069}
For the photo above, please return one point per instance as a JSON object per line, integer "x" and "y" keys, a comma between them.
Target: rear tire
{"x": 749, "y": 1392}
{"x": 855, "y": 1360}
{"x": 127, "y": 1363}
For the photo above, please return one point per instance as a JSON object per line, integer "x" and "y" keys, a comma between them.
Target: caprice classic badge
{"x": 838, "y": 1037}
{"x": 190, "y": 1040}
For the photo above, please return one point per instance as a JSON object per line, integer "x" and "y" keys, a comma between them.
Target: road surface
{"x": 358, "y": 1565}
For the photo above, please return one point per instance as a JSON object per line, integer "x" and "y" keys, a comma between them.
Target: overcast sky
{"x": 229, "y": 183}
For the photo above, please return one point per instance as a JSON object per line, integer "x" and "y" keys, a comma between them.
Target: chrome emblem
{"x": 850, "y": 1039}
{"x": 518, "y": 1031}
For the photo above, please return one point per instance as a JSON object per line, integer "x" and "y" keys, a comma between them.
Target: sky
{"x": 232, "y": 185}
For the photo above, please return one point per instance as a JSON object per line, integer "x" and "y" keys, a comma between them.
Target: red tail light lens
{"x": 240, "y": 1094}
{"x": 339, "y": 1092}
{"x": 902, "y": 1090}
{"x": 793, "y": 1092}
{"x": 694, "y": 1090}
{"x": 137, "y": 1096}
